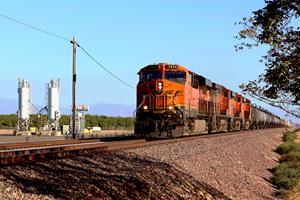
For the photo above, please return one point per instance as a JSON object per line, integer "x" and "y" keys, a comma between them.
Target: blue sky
{"x": 123, "y": 36}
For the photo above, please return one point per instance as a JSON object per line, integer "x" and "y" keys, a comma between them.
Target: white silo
{"x": 53, "y": 105}
{"x": 24, "y": 108}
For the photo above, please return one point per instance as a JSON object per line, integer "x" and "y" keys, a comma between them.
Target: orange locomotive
{"x": 173, "y": 101}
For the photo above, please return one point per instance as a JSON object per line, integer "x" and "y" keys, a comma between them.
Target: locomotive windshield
{"x": 177, "y": 76}
{"x": 147, "y": 76}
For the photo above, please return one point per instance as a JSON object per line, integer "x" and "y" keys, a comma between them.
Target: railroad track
{"x": 17, "y": 153}
{"x": 20, "y": 145}
{"x": 37, "y": 151}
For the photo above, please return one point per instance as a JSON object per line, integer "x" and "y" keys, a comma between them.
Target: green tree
{"x": 8, "y": 121}
{"x": 276, "y": 26}
{"x": 105, "y": 122}
{"x": 64, "y": 120}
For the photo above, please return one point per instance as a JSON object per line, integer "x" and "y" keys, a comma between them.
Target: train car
{"x": 172, "y": 101}
{"x": 258, "y": 117}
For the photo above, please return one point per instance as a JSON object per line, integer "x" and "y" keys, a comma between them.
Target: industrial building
{"x": 51, "y": 109}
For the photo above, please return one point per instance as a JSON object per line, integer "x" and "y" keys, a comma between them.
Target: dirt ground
{"x": 237, "y": 165}
{"x": 225, "y": 167}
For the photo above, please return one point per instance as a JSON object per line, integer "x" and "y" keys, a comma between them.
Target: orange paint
{"x": 197, "y": 95}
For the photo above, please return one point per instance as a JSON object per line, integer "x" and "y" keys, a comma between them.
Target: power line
{"x": 66, "y": 39}
{"x": 104, "y": 68}
{"x": 34, "y": 28}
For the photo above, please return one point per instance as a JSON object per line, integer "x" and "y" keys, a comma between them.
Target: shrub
{"x": 293, "y": 156}
{"x": 286, "y": 175}
{"x": 287, "y": 147}
{"x": 281, "y": 192}
{"x": 289, "y": 136}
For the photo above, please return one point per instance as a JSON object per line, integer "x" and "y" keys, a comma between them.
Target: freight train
{"x": 173, "y": 101}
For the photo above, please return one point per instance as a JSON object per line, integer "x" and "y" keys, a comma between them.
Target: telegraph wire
{"x": 66, "y": 39}
{"x": 34, "y": 28}
{"x": 104, "y": 68}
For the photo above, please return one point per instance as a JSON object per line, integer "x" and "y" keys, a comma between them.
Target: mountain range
{"x": 107, "y": 109}
{"x": 10, "y": 106}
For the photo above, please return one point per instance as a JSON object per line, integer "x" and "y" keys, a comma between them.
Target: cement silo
{"x": 24, "y": 108}
{"x": 53, "y": 105}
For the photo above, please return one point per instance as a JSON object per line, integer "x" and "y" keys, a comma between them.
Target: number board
{"x": 171, "y": 66}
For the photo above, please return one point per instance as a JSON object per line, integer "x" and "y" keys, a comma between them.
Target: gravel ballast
{"x": 105, "y": 175}
{"x": 222, "y": 167}
{"x": 236, "y": 165}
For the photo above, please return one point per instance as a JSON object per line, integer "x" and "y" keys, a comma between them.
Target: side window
{"x": 189, "y": 78}
{"x": 195, "y": 81}
{"x": 226, "y": 93}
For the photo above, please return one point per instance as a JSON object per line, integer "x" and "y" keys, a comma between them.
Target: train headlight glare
{"x": 160, "y": 85}
{"x": 170, "y": 107}
{"x": 145, "y": 107}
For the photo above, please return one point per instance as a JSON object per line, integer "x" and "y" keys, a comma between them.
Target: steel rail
{"x": 41, "y": 143}
{"x": 17, "y": 155}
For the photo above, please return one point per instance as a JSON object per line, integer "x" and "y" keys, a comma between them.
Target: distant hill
{"x": 107, "y": 109}
{"x": 8, "y": 106}
{"x": 112, "y": 109}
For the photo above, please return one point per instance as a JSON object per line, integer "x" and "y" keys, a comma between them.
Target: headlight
{"x": 170, "y": 107}
{"x": 145, "y": 107}
{"x": 160, "y": 85}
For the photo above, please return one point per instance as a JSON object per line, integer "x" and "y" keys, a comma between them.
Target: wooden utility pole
{"x": 74, "y": 132}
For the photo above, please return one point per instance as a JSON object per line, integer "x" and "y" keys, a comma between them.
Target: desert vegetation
{"x": 287, "y": 173}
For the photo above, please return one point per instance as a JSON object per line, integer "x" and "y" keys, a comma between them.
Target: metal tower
{"x": 24, "y": 108}
{"x": 53, "y": 105}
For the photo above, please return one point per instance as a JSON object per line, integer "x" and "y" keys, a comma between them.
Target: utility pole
{"x": 74, "y": 132}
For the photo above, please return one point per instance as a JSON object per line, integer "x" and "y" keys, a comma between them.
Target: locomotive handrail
{"x": 144, "y": 99}
{"x": 134, "y": 112}
{"x": 180, "y": 110}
